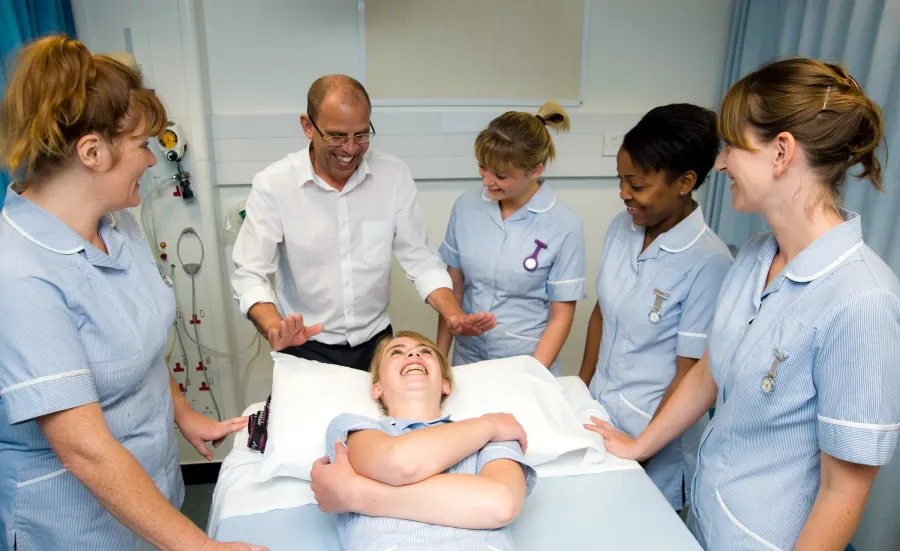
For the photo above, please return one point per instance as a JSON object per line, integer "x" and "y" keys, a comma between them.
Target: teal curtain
{"x": 861, "y": 34}
{"x": 864, "y": 36}
{"x": 21, "y": 21}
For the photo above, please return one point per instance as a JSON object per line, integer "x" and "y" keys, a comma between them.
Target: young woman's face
{"x": 408, "y": 366}
{"x": 508, "y": 185}
{"x": 751, "y": 173}
{"x": 648, "y": 196}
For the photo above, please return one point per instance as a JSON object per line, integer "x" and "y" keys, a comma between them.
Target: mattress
{"x": 613, "y": 505}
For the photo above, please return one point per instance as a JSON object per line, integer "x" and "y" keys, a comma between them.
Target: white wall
{"x": 263, "y": 56}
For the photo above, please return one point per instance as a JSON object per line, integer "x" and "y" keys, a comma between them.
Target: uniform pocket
{"x": 378, "y": 240}
{"x": 629, "y": 418}
{"x": 634, "y": 408}
{"x": 743, "y": 528}
{"x": 520, "y": 345}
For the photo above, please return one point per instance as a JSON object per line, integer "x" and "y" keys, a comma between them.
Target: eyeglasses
{"x": 339, "y": 140}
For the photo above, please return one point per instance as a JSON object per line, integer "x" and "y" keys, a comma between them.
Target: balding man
{"x": 328, "y": 219}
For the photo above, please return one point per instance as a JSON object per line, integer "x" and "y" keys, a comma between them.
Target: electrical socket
{"x": 611, "y": 144}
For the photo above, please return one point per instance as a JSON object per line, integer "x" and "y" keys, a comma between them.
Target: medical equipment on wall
{"x": 173, "y": 145}
{"x": 233, "y": 221}
{"x": 192, "y": 268}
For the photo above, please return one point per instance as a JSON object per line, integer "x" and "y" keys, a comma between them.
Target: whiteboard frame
{"x": 476, "y": 102}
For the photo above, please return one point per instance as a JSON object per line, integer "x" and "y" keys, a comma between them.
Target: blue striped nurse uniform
{"x": 491, "y": 252}
{"x": 809, "y": 364}
{"x": 640, "y": 344}
{"x": 364, "y": 533}
{"x": 79, "y": 326}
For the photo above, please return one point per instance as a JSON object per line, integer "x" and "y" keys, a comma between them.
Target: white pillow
{"x": 307, "y": 395}
{"x": 523, "y": 387}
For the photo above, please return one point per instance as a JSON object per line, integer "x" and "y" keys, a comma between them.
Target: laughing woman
{"x": 660, "y": 273}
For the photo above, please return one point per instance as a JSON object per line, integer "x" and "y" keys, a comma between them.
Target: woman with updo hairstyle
{"x": 513, "y": 248}
{"x": 88, "y": 453}
{"x": 803, "y": 362}
{"x": 657, "y": 282}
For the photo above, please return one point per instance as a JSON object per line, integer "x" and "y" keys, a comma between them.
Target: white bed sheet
{"x": 237, "y": 493}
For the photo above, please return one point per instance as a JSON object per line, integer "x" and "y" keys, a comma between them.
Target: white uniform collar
{"x": 542, "y": 201}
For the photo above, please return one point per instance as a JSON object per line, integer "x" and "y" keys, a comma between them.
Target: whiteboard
{"x": 473, "y": 52}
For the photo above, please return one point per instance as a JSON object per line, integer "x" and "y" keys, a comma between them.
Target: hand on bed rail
{"x": 616, "y": 442}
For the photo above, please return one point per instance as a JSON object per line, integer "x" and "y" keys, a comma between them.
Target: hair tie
{"x": 828, "y": 91}
{"x": 540, "y": 118}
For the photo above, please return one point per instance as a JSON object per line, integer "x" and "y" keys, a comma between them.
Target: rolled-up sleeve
{"x": 256, "y": 248}
{"x": 566, "y": 281}
{"x": 421, "y": 263}
{"x": 857, "y": 378}
{"x": 43, "y": 365}
{"x": 511, "y": 451}
{"x": 699, "y": 307}
{"x": 340, "y": 427}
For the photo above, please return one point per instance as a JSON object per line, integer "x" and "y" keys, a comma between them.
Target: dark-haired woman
{"x": 659, "y": 276}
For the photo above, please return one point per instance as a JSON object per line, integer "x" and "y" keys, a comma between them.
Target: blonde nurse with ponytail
{"x": 513, "y": 248}
{"x": 88, "y": 455}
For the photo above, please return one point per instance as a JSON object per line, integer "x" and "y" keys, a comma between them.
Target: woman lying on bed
{"x": 415, "y": 479}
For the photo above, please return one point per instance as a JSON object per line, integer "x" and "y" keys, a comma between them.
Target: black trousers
{"x": 357, "y": 357}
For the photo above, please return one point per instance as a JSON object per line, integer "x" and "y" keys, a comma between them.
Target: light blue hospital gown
{"x": 78, "y": 327}
{"x": 491, "y": 251}
{"x": 363, "y": 533}
{"x": 637, "y": 357}
{"x": 833, "y": 313}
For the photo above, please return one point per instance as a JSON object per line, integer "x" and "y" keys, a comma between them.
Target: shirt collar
{"x": 828, "y": 251}
{"x": 404, "y": 424}
{"x": 542, "y": 201}
{"x": 678, "y": 239}
{"x": 687, "y": 232}
{"x": 45, "y": 230}
{"x": 308, "y": 174}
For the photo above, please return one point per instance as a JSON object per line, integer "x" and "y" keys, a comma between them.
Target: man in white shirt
{"x": 328, "y": 219}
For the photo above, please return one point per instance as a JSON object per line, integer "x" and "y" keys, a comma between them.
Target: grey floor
{"x": 197, "y": 499}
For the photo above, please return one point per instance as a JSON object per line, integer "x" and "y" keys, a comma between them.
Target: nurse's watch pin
{"x": 768, "y": 382}
{"x": 655, "y": 315}
{"x": 165, "y": 277}
{"x": 531, "y": 263}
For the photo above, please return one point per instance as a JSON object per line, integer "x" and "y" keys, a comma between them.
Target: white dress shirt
{"x": 332, "y": 249}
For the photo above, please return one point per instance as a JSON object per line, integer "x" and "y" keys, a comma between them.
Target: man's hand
{"x": 335, "y": 485}
{"x": 505, "y": 428}
{"x": 470, "y": 325}
{"x": 291, "y": 332}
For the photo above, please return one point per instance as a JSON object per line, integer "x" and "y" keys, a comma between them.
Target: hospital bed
{"x": 614, "y": 506}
